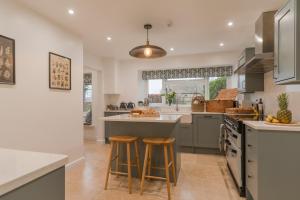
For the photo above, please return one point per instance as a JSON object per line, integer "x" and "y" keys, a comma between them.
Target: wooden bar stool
{"x": 165, "y": 142}
{"x": 115, "y": 142}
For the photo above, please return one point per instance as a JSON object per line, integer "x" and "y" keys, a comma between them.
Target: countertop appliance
{"x": 123, "y": 106}
{"x": 235, "y": 148}
{"x": 130, "y": 105}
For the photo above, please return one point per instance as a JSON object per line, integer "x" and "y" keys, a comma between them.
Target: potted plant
{"x": 170, "y": 97}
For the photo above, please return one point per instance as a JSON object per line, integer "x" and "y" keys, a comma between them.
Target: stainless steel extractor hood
{"x": 263, "y": 59}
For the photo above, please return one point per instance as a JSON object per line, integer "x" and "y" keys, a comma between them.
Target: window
{"x": 155, "y": 86}
{"x": 215, "y": 85}
{"x": 185, "y": 88}
{"x": 87, "y": 98}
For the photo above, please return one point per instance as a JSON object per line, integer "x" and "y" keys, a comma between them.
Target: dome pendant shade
{"x": 147, "y": 51}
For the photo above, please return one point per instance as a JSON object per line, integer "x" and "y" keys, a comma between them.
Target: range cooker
{"x": 235, "y": 148}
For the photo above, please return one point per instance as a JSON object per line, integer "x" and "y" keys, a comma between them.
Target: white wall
{"x": 270, "y": 96}
{"x": 129, "y": 71}
{"x": 33, "y": 117}
{"x": 93, "y": 65}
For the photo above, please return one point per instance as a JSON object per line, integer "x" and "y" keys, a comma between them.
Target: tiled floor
{"x": 202, "y": 177}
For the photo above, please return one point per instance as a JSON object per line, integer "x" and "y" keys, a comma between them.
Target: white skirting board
{"x": 102, "y": 141}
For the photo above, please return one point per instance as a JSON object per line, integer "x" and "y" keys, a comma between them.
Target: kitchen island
{"x": 28, "y": 175}
{"x": 146, "y": 127}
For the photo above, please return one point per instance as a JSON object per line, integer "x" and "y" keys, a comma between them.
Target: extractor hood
{"x": 263, "y": 59}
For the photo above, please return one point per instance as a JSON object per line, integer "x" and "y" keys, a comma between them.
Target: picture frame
{"x": 7, "y": 61}
{"x": 60, "y": 72}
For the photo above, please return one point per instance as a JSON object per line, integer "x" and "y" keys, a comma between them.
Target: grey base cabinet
{"x": 48, "y": 187}
{"x": 185, "y": 135}
{"x": 272, "y": 165}
{"x": 287, "y": 44}
{"x": 206, "y": 130}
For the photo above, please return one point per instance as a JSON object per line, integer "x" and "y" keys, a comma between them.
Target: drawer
{"x": 251, "y": 153}
{"x": 251, "y": 179}
{"x": 251, "y": 139}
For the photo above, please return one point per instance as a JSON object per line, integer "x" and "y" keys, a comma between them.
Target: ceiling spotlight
{"x": 71, "y": 12}
{"x": 172, "y": 49}
{"x": 108, "y": 38}
{"x": 230, "y": 24}
{"x": 221, "y": 44}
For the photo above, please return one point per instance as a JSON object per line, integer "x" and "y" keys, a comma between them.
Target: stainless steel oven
{"x": 234, "y": 159}
{"x": 235, "y": 151}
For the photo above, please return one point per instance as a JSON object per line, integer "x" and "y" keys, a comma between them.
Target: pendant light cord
{"x": 147, "y": 36}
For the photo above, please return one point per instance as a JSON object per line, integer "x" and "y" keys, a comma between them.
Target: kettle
{"x": 130, "y": 105}
{"x": 123, "y": 105}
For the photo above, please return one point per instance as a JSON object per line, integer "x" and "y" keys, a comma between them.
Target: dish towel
{"x": 222, "y": 138}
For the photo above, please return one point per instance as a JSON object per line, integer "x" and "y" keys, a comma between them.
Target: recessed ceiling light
{"x": 108, "y": 38}
{"x": 221, "y": 44}
{"x": 172, "y": 49}
{"x": 71, "y": 11}
{"x": 230, "y": 24}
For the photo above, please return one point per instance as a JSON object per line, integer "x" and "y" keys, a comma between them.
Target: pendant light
{"x": 147, "y": 51}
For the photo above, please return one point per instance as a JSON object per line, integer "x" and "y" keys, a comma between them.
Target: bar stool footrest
{"x": 156, "y": 177}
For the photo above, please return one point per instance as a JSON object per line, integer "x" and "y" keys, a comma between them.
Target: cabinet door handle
{"x": 208, "y": 116}
{"x": 250, "y": 145}
{"x": 250, "y": 161}
{"x": 249, "y": 130}
{"x": 234, "y": 151}
{"x": 249, "y": 176}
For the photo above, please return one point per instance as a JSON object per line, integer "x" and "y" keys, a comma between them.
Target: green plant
{"x": 215, "y": 86}
{"x": 170, "y": 97}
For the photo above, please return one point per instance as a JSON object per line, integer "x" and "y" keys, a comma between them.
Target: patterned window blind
{"x": 187, "y": 73}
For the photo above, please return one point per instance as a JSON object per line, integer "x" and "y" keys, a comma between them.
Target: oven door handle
{"x": 234, "y": 135}
{"x": 228, "y": 142}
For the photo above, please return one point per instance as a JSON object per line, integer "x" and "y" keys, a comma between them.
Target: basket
{"x": 198, "y": 104}
{"x": 219, "y": 105}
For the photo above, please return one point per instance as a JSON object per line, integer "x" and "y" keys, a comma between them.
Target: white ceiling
{"x": 198, "y": 25}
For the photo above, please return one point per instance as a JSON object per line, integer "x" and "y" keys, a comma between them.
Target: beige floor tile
{"x": 202, "y": 177}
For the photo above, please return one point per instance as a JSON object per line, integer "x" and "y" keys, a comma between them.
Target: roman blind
{"x": 187, "y": 73}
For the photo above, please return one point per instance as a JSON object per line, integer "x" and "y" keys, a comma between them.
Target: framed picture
{"x": 7, "y": 60}
{"x": 59, "y": 72}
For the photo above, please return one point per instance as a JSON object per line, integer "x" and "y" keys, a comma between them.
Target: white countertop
{"x": 207, "y": 113}
{"x": 127, "y": 118}
{"x": 260, "y": 125}
{"x": 20, "y": 167}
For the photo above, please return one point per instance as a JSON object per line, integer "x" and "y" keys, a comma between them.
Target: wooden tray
{"x": 281, "y": 124}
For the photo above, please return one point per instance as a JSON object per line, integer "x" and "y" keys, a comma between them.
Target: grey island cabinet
{"x": 146, "y": 127}
{"x": 272, "y": 162}
{"x": 106, "y": 124}
{"x": 287, "y": 44}
{"x": 31, "y": 176}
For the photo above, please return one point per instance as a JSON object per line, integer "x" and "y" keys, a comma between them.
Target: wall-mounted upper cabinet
{"x": 287, "y": 44}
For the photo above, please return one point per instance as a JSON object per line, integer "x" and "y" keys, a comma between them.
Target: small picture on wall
{"x": 59, "y": 72}
{"x": 7, "y": 60}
